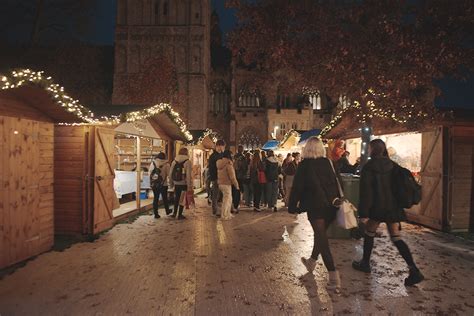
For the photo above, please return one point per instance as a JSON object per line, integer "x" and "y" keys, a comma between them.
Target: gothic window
{"x": 181, "y": 59}
{"x": 165, "y": 8}
{"x": 182, "y": 9}
{"x": 315, "y": 101}
{"x": 249, "y": 98}
{"x": 121, "y": 61}
{"x": 134, "y": 61}
{"x": 122, "y": 12}
{"x": 250, "y": 139}
{"x": 283, "y": 101}
{"x": 196, "y": 12}
{"x": 220, "y": 98}
{"x": 344, "y": 102}
{"x": 157, "y": 12}
{"x": 196, "y": 59}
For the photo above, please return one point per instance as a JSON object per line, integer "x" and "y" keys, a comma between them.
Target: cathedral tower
{"x": 180, "y": 29}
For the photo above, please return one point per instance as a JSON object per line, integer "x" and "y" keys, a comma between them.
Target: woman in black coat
{"x": 316, "y": 192}
{"x": 377, "y": 204}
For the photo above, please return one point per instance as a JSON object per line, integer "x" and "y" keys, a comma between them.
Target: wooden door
{"x": 430, "y": 211}
{"x": 460, "y": 178}
{"x": 105, "y": 200}
{"x": 26, "y": 189}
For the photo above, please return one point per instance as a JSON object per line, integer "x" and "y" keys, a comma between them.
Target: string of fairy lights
{"x": 374, "y": 111}
{"x": 19, "y": 78}
{"x": 207, "y": 133}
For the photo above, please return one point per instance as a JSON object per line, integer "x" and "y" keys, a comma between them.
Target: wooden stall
{"x": 27, "y": 117}
{"x": 446, "y": 168}
{"x": 199, "y": 151}
{"x": 86, "y": 159}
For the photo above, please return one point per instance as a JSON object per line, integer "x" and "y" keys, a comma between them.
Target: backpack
{"x": 405, "y": 188}
{"x": 241, "y": 167}
{"x": 179, "y": 173}
{"x": 271, "y": 171}
{"x": 156, "y": 179}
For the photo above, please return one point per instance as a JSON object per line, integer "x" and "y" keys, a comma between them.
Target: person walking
{"x": 289, "y": 171}
{"x": 377, "y": 204}
{"x": 240, "y": 166}
{"x": 272, "y": 173}
{"x": 226, "y": 179}
{"x": 246, "y": 183}
{"x": 264, "y": 199}
{"x": 215, "y": 193}
{"x": 159, "y": 177}
{"x": 257, "y": 175}
{"x": 181, "y": 179}
{"x": 316, "y": 192}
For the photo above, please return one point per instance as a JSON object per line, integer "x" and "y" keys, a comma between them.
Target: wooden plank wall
{"x": 69, "y": 174}
{"x": 430, "y": 211}
{"x": 460, "y": 178}
{"x": 26, "y": 189}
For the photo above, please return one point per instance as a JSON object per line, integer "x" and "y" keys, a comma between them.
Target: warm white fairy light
{"x": 23, "y": 77}
{"x": 208, "y": 132}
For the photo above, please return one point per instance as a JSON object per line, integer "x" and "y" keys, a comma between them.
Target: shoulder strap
{"x": 341, "y": 193}
{"x": 154, "y": 165}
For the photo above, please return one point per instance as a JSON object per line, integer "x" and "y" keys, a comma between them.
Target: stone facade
{"x": 179, "y": 29}
{"x": 224, "y": 98}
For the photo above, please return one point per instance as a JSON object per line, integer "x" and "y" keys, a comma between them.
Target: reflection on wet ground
{"x": 248, "y": 265}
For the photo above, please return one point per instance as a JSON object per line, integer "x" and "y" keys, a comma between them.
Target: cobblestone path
{"x": 205, "y": 266}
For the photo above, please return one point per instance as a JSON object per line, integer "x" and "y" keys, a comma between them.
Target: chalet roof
{"x": 49, "y": 101}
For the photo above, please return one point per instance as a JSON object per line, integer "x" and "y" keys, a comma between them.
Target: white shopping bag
{"x": 345, "y": 215}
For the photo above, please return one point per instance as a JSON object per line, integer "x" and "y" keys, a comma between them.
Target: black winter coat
{"x": 314, "y": 189}
{"x": 376, "y": 200}
{"x": 213, "y": 165}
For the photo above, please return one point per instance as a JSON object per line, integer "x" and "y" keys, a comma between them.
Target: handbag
{"x": 262, "y": 178}
{"x": 345, "y": 217}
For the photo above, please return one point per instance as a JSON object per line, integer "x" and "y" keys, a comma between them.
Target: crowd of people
{"x": 309, "y": 182}
{"x": 254, "y": 179}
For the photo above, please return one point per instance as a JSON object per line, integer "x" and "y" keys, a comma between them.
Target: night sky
{"x": 105, "y": 20}
{"x": 101, "y": 32}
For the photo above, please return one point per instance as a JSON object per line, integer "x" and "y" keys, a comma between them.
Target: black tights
{"x": 394, "y": 231}
{"x": 321, "y": 243}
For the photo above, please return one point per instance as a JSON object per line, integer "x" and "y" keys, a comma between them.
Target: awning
{"x": 290, "y": 140}
{"x": 271, "y": 145}
{"x": 203, "y": 139}
{"x": 306, "y": 135}
{"x": 159, "y": 117}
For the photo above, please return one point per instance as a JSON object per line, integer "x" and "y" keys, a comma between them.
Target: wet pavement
{"x": 246, "y": 266}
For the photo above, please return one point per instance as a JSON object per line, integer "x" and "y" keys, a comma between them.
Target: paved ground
{"x": 247, "y": 266}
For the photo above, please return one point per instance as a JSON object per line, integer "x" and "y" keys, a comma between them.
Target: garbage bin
{"x": 350, "y": 184}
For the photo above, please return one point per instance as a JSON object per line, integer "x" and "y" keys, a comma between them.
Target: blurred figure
{"x": 181, "y": 179}
{"x": 247, "y": 185}
{"x": 256, "y": 171}
{"x": 272, "y": 171}
{"x": 226, "y": 179}
{"x": 215, "y": 193}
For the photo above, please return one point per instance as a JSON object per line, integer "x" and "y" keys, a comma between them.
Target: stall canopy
{"x": 46, "y": 100}
{"x": 306, "y": 135}
{"x": 204, "y": 139}
{"x": 157, "y": 121}
{"x": 271, "y": 145}
{"x": 290, "y": 140}
{"x": 349, "y": 127}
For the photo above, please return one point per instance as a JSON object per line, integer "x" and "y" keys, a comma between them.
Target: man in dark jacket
{"x": 272, "y": 171}
{"x": 377, "y": 204}
{"x": 241, "y": 166}
{"x": 215, "y": 192}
